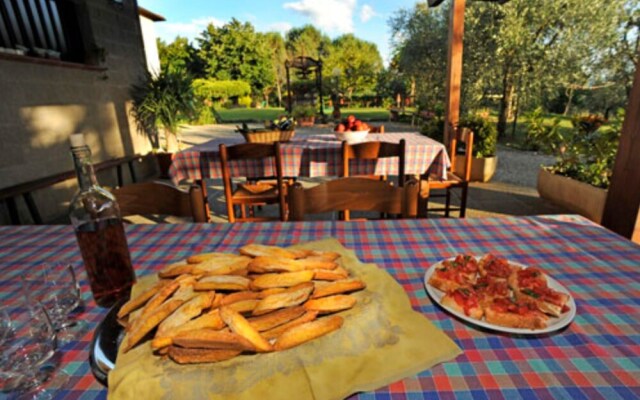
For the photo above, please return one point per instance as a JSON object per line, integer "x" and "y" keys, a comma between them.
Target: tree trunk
{"x": 279, "y": 90}
{"x": 570, "y": 98}
{"x": 505, "y": 100}
{"x": 413, "y": 91}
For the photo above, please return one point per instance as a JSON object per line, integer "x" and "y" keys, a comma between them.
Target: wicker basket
{"x": 270, "y": 136}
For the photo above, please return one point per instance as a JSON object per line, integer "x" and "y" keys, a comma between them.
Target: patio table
{"x": 313, "y": 156}
{"x": 596, "y": 356}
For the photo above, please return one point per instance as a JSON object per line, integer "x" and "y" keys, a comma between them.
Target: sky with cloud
{"x": 367, "y": 19}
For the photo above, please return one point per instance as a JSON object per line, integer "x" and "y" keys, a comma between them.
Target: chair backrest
{"x": 353, "y": 193}
{"x": 377, "y": 129}
{"x": 374, "y": 151}
{"x": 463, "y": 135}
{"x": 252, "y": 151}
{"x": 161, "y": 198}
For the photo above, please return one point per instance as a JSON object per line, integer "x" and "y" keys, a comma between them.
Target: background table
{"x": 312, "y": 156}
{"x": 597, "y": 356}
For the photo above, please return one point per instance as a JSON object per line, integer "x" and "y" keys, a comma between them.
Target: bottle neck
{"x": 84, "y": 167}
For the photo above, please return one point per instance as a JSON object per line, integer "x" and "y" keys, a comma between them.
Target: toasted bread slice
{"x": 495, "y": 268}
{"x": 175, "y": 270}
{"x": 284, "y": 279}
{"x": 223, "y": 282}
{"x": 465, "y": 301}
{"x": 337, "y": 287}
{"x": 303, "y": 333}
{"x": 256, "y": 250}
{"x": 223, "y": 265}
{"x": 186, "y": 312}
{"x": 264, "y": 264}
{"x": 330, "y": 275}
{"x": 212, "y": 339}
{"x": 547, "y": 300}
{"x": 331, "y": 304}
{"x": 512, "y": 314}
{"x": 279, "y": 330}
{"x": 291, "y": 297}
{"x": 276, "y": 318}
{"x": 140, "y": 300}
{"x": 238, "y": 324}
{"x": 146, "y": 323}
{"x": 196, "y": 356}
{"x": 199, "y": 258}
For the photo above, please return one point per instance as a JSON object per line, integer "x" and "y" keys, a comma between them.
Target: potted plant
{"x": 164, "y": 100}
{"x": 305, "y": 115}
{"x": 485, "y": 140}
{"x": 580, "y": 177}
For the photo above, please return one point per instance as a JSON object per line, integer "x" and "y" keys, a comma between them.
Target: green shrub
{"x": 485, "y": 134}
{"x": 305, "y": 111}
{"x": 220, "y": 90}
{"x": 245, "y": 101}
{"x": 434, "y": 128}
{"x": 590, "y": 151}
{"x": 540, "y": 135}
{"x": 166, "y": 100}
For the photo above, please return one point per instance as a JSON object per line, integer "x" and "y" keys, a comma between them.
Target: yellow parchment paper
{"x": 382, "y": 340}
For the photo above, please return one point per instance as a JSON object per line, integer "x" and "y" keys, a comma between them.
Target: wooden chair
{"x": 453, "y": 180}
{"x": 353, "y": 193}
{"x": 159, "y": 198}
{"x": 373, "y": 151}
{"x": 377, "y": 129}
{"x": 252, "y": 193}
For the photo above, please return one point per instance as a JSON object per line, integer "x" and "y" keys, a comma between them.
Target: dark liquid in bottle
{"x": 106, "y": 258}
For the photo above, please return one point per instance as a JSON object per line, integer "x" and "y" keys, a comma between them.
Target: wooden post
{"x": 454, "y": 67}
{"x": 623, "y": 199}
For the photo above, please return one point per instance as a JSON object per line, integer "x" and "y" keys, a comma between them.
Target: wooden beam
{"x": 454, "y": 67}
{"x": 623, "y": 199}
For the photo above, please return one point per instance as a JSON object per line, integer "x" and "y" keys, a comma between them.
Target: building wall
{"x": 42, "y": 102}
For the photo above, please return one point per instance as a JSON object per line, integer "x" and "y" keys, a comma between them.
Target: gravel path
{"x": 520, "y": 167}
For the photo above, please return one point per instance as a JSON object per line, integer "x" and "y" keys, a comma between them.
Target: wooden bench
{"x": 8, "y": 195}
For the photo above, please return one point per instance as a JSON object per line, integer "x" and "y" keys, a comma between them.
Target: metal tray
{"x": 104, "y": 346}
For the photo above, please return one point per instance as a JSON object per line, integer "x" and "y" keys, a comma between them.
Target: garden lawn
{"x": 249, "y": 114}
{"x": 261, "y": 114}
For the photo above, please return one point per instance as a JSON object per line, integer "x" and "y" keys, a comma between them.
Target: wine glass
{"x": 27, "y": 342}
{"x": 55, "y": 287}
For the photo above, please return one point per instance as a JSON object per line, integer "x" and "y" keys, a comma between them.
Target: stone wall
{"x": 44, "y": 101}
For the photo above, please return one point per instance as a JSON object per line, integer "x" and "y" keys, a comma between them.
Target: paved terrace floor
{"x": 512, "y": 191}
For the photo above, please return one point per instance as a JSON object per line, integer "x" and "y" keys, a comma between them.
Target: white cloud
{"x": 366, "y": 13}
{"x": 328, "y": 15}
{"x": 282, "y": 27}
{"x": 169, "y": 30}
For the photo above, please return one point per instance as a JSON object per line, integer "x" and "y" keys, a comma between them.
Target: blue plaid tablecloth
{"x": 312, "y": 156}
{"x": 596, "y": 356}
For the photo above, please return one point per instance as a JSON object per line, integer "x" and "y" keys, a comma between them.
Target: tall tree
{"x": 307, "y": 41}
{"x": 358, "y": 63}
{"x": 419, "y": 41}
{"x": 179, "y": 56}
{"x": 278, "y": 51}
{"x": 236, "y": 51}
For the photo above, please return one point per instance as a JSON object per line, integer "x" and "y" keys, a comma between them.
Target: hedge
{"x": 213, "y": 89}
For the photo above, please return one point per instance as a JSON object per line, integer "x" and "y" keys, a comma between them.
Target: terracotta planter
{"x": 306, "y": 121}
{"x": 573, "y": 195}
{"x": 482, "y": 169}
{"x": 164, "y": 163}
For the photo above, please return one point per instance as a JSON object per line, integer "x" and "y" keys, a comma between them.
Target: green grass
{"x": 249, "y": 114}
{"x": 260, "y": 114}
{"x": 517, "y": 138}
{"x": 366, "y": 114}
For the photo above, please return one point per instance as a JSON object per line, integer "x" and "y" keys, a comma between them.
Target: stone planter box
{"x": 306, "y": 121}
{"x": 482, "y": 169}
{"x": 573, "y": 195}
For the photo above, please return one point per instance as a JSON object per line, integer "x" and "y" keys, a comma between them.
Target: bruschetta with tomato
{"x": 465, "y": 300}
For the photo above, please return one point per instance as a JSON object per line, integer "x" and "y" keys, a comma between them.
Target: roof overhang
{"x": 143, "y": 12}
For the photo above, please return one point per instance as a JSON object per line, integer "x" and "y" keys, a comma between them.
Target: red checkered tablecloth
{"x": 595, "y": 357}
{"x": 312, "y": 156}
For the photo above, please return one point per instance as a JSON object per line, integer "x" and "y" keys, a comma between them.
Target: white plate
{"x": 553, "y": 323}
